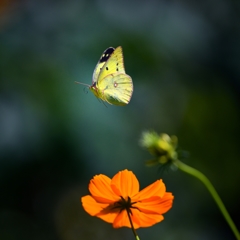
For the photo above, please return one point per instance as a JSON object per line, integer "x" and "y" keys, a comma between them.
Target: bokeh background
{"x": 183, "y": 57}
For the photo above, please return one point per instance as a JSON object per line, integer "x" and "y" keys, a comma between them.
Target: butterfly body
{"x": 110, "y": 83}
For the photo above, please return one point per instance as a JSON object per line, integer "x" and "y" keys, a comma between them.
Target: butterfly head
{"x": 93, "y": 88}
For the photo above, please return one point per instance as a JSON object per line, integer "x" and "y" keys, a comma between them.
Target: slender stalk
{"x": 194, "y": 172}
{"x": 133, "y": 229}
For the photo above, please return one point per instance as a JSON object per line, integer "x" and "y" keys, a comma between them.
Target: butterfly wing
{"x": 103, "y": 59}
{"x": 116, "y": 88}
{"x": 114, "y": 64}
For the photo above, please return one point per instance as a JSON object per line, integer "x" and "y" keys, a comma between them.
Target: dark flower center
{"x": 124, "y": 204}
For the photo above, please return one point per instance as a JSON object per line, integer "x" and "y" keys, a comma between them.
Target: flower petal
{"x": 101, "y": 190}
{"x": 154, "y": 191}
{"x": 125, "y": 184}
{"x": 141, "y": 219}
{"x": 122, "y": 220}
{"x": 101, "y": 210}
{"x": 91, "y": 206}
{"x": 156, "y": 206}
{"x": 108, "y": 215}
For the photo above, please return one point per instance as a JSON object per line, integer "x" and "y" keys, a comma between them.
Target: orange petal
{"x": 141, "y": 219}
{"x": 101, "y": 190}
{"x": 122, "y": 220}
{"x": 108, "y": 215}
{"x": 91, "y": 206}
{"x": 125, "y": 184}
{"x": 154, "y": 191}
{"x": 156, "y": 206}
{"x": 102, "y": 210}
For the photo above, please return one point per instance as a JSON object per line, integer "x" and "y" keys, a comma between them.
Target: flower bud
{"x": 162, "y": 147}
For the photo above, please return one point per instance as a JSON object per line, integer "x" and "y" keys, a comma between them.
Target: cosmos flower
{"x": 119, "y": 201}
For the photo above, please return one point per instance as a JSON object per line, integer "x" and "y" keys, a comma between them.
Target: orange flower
{"x": 119, "y": 201}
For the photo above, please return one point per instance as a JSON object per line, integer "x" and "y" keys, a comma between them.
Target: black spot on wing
{"x": 105, "y": 56}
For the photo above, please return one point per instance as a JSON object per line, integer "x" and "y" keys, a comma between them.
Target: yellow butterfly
{"x": 110, "y": 83}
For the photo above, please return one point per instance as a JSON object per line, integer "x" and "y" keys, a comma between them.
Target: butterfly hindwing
{"x": 116, "y": 89}
{"x": 103, "y": 59}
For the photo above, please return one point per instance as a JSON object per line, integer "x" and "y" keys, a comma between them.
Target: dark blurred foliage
{"x": 183, "y": 57}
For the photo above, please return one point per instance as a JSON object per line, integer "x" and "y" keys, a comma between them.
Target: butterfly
{"x": 110, "y": 83}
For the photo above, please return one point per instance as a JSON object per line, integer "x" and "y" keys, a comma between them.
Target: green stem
{"x": 133, "y": 229}
{"x": 194, "y": 172}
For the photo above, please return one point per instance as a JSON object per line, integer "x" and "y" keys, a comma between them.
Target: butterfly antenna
{"x": 83, "y": 84}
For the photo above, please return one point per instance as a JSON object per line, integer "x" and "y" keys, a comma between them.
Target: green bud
{"x": 162, "y": 147}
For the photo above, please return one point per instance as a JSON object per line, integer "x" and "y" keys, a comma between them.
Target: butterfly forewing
{"x": 114, "y": 64}
{"x": 103, "y": 59}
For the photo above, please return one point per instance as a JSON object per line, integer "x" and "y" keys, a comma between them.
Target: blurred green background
{"x": 183, "y": 58}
